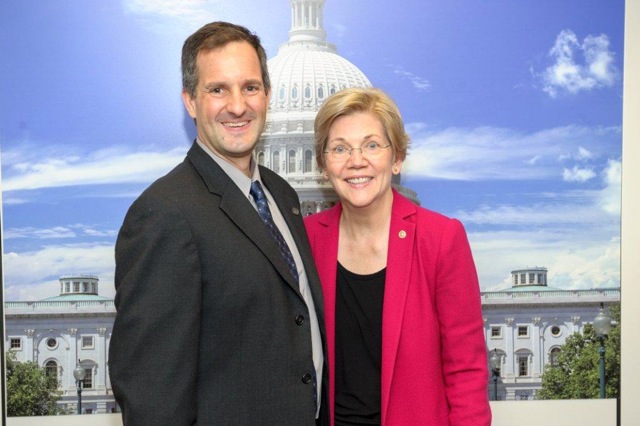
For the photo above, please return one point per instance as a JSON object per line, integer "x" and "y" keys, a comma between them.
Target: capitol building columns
{"x": 537, "y": 366}
{"x": 510, "y": 333}
{"x": 72, "y": 360}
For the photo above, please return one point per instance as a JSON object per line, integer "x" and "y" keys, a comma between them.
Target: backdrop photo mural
{"x": 514, "y": 111}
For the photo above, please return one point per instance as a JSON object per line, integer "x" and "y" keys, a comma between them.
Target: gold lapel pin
{"x": 402, "y": 234}
{"x": 295, "y": 211}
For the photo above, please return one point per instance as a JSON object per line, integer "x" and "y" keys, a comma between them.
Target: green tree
{"x": 30, "y": 391}
{"x": 577, "y": 373}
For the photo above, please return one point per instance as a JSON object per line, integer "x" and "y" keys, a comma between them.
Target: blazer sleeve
{"x": 154, "y": 346}
{"x": 459, "y": 311}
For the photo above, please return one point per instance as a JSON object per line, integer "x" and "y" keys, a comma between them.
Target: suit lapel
{"x": 290, "y": 210}
{"x": 399, "y": 261}
{"x": 238, "y": 208}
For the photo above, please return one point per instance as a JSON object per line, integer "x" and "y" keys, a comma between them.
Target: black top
{"x": 358, "y": 347}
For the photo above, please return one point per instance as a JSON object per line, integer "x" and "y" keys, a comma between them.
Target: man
{"x": 218, "y": 323}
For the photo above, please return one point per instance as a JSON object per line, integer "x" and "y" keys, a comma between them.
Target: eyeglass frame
{"x": 350, "y": 150}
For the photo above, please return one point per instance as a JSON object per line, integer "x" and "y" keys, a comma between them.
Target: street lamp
{"x": 602, "y": 327}
{"x": 79, "y": 374}
{"x": 494, "y": 362}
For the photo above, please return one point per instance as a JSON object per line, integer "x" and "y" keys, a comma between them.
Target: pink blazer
{"x": 434, "y": 358}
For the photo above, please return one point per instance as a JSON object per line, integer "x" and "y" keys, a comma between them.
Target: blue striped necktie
{"x": 263, "y": 208}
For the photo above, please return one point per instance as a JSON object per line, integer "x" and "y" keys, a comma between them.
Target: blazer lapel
{"x": 399, "y": 261}
{"x": 290, "y": 209}
{"x": 236, "y": 206}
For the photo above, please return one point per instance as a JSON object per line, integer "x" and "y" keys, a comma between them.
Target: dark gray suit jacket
{"x": 206, "y": 329}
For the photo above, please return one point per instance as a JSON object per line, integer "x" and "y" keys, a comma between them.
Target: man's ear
{"x": 189, "y": 103}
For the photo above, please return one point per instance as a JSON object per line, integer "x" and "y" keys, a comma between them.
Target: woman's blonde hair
{"x": 361, "y": 100}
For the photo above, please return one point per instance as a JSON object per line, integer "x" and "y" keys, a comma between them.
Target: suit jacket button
{"x": 300, "y": 319}
{"x": 306, "y": 379}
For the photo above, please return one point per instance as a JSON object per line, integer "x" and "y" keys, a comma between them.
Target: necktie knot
{"x": 257, "y": 192}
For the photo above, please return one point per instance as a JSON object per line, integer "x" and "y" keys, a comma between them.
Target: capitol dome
{"x": 305, "y": 72}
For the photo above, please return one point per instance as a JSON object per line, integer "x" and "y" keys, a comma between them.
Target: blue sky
{"x": 514, "y": 109}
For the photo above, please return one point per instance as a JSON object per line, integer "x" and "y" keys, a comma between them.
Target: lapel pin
{"x": 295, "y": 211}
{"x": 402, "y": 234}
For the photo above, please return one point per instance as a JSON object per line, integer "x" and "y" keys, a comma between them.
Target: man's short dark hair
{"x": 214, "y": 36}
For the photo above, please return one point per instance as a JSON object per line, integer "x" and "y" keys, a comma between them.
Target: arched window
{"x": 320, "y": 92}
{"x": 294, "y": 92}
{"x": 261, "y": 158}
{"x": 553, "y": 356}
{"x": 307, "y": 91}
{"x": 51, "y": 369}
{"x": 333, "y": 89}
{"x": 275, "y": 164}
{"x": 307, "y": 161}
{"x": 281, "y": 93}
{"x": 292, "y": 161}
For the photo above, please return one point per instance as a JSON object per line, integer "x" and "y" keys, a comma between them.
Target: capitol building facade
{"x": 62, "y": 332}
{"x": 525, "y": 324}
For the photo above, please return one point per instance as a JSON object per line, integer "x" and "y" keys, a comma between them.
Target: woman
{"x": 402, "y": 301}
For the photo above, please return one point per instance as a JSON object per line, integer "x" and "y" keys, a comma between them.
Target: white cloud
{"x": 575, "y": 234}
{"x": 573, "y": 261}
{"x": 186, "y": 13}
{"x": 533, "y": 160}
{"x": 176, "y": 20}
{"x": 69, "y": 231}
{"x": 584, "y": 154}
{"x": 111, "y": 166}
{"x": 610, "y": 196}
{"x": 577, "y": 174}
{"x": 419, "y": 83}
{"x": 489, "y": 153}
{"x": 31, "y": 232}
{"x": 568, "y": 74}
{"x": 33, "y": 275}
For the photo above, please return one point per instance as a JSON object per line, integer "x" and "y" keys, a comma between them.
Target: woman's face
{"x": 363, "y": 178}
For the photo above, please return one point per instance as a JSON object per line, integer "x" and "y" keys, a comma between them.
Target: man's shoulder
{"x": 175, "y": 179}
{"x": 172, "y": 189}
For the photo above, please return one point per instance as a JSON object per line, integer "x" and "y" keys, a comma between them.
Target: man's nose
{"x": 236, "y": 103}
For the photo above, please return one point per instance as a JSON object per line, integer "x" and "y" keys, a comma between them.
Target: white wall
{"x": 505, "y": 413}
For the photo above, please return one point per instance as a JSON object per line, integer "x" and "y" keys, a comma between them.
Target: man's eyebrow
{"x": 212, "y": 84}
{"x": 254, "y": 83}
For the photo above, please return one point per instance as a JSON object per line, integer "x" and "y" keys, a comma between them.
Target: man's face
{"x": 230, "y": 104}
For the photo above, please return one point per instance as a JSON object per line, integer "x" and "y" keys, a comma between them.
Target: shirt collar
{"x": 239, "y": 178}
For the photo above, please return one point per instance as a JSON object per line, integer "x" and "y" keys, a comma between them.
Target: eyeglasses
{"x": 342, "y": 152}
